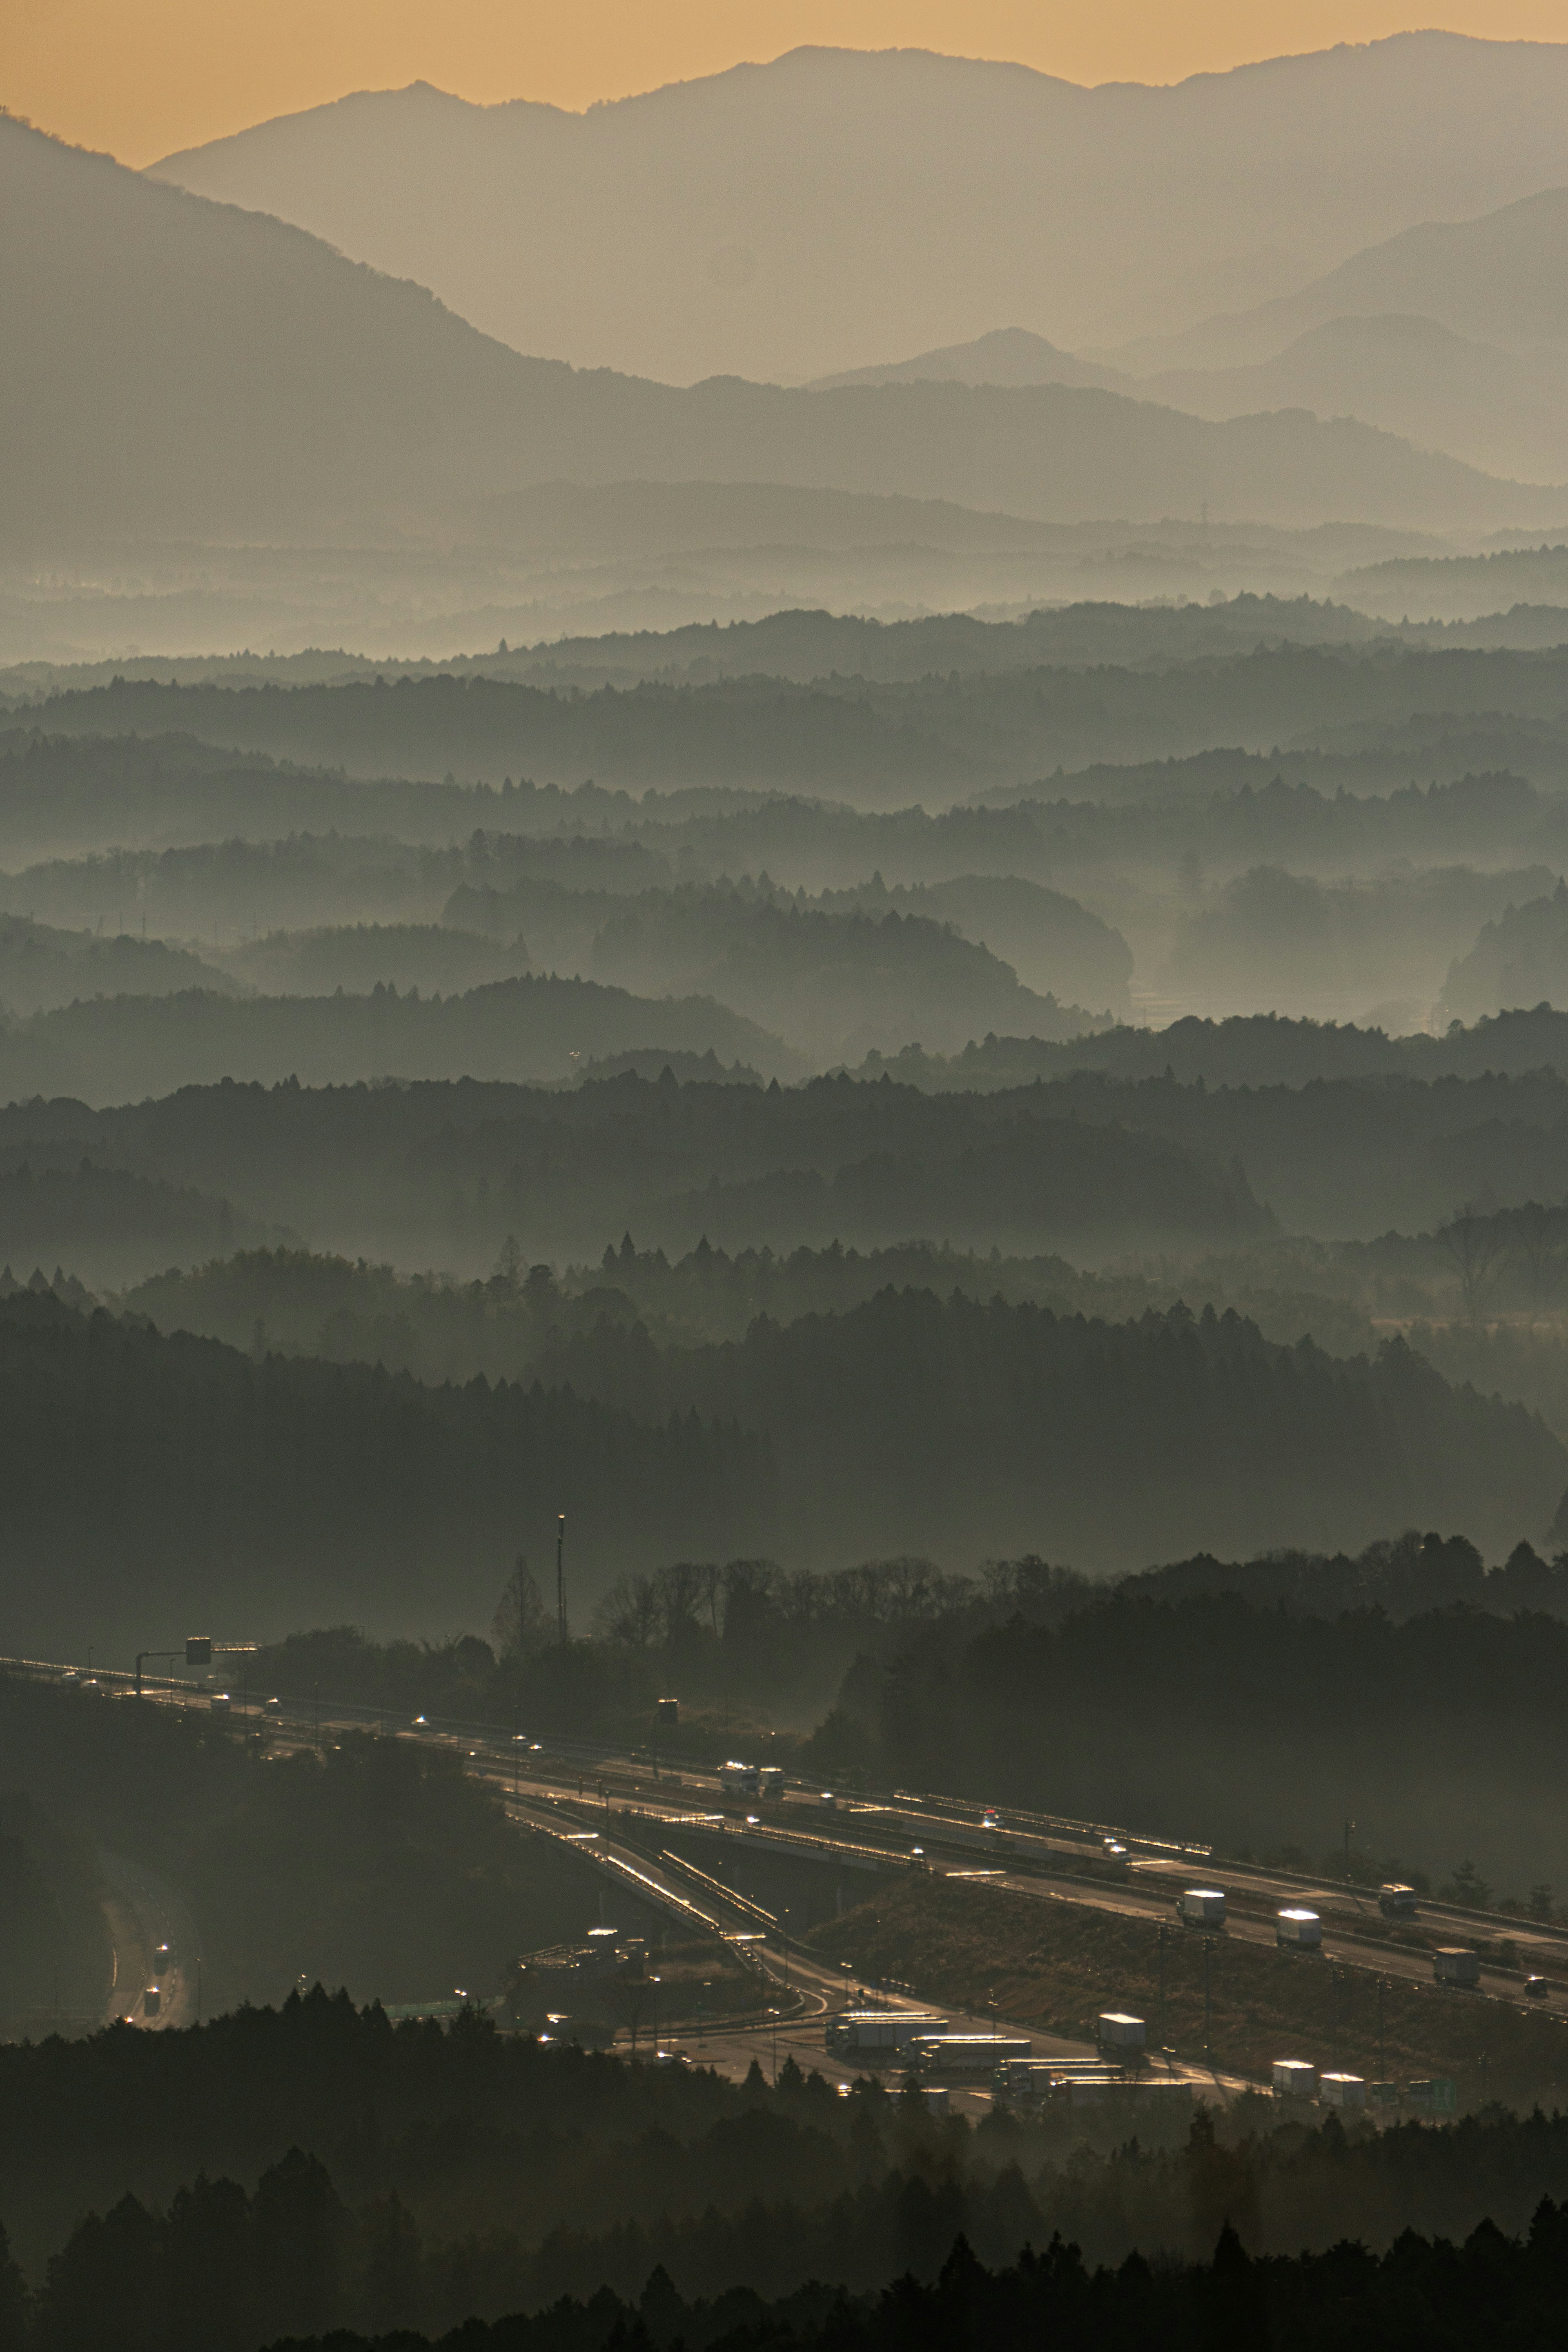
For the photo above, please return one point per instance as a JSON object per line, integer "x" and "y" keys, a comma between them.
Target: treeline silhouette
{"x": 241, "y": 886}
{"x": 1519, "y": 959}
{"x": 1267, "y": 1725}
{"x": 106, "y": 1222}
{"x": 1095, "y": 1441}
{"x": 426, "y": 958}
{"x": 41, "y": 967}
{"x": 661, "y": 937}
{"x": 244, "y": 840}
{"x": 851, "y": 733}
{"x": 1268, "y": 1049}
{"x": 483, "y": 2175}
{"x": 158, "y": 1479}
{"x": 1416, "y": 2296}
{"x": 89, "y": 791}
{"x": 752, "y": 1633}
{"x": 121, "y": 1047}
{"x": 1271, "y": 929}
{"x": 437, "y": 1170}
{"x": 305, "y": 1303}
{"x": 803, "y": 645}
{"x": 829, "y": 982}
{"x": 289, "y": 1487}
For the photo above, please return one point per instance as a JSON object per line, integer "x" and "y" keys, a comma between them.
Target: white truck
{"x": 880, "y": 2033}
{"x": 968, "y": 2053}
{"x": 1201, "y": 1907}
{"x": 751, "y": 1780}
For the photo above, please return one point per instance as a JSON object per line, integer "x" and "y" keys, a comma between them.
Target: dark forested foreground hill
{"x": 489, "y": 2175}
{"x": 1420, "y": 2294}
{"x": 173, "y": 1478}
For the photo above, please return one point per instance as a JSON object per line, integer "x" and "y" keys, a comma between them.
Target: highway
{"x": 797, "y": 1991}
{"x": 577, "y": 1789}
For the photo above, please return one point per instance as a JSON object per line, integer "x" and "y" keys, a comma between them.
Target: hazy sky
{"x": 143, "y": 77}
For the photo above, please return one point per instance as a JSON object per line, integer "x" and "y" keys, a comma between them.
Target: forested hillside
{"x": 287, "y": 1488}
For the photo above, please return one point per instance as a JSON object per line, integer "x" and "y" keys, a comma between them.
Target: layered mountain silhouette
{"x": 215, "y": 371}
{"x": 1503, "y": 410}
{"x": 1500, "y": 279}
{"x": 833, "y": 207}
{"x": 1010, "y": 355}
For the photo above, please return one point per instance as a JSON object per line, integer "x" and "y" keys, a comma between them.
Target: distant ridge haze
{"x": 1503, "y": 410}
{"x": 216, "y": 372}
{"x": 811, "y": 215}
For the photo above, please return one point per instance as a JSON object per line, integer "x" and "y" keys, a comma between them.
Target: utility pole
{"x": 1349, "y": 1827}
{"x": 1208, "y": 2037}
{"x": 1382, "y": 2061}
{"x": 561, "y": 1575}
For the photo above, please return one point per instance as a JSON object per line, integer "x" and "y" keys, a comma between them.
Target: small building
{"x": 1295, "y": 2078}
{"x": 1300, "y": 1930}
{"x": 1342, "y": 2090}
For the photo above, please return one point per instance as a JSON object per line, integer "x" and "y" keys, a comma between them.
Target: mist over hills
{"x": 220, "y": 373}
{"x": 532, "y": 1027}
{"x": 938, "y": 739}
{"x": 822, "y": 211}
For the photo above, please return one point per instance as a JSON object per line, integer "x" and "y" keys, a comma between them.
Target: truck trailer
{"x": 968, "y": 2053}
{"x": 880, "y": 2033}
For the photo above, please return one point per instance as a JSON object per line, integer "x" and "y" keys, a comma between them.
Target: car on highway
{"x": 1535, "y": 1988}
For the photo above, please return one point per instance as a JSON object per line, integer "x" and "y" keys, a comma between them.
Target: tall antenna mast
{"x": 560, "y": 1574}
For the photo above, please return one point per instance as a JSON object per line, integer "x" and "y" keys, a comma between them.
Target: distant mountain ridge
{"x": 1500, "y": 278}
{"x": 1008, "y": 356}
{"x": 814, "y": 214}
{"x": 1505, "y": 411}
{"x": 215, "y": 373}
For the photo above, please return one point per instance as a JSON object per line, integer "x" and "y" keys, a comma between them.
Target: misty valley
{"x": 783, "y": 1209}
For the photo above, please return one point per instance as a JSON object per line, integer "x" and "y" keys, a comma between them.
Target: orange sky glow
{"x": 141, "y": 78}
